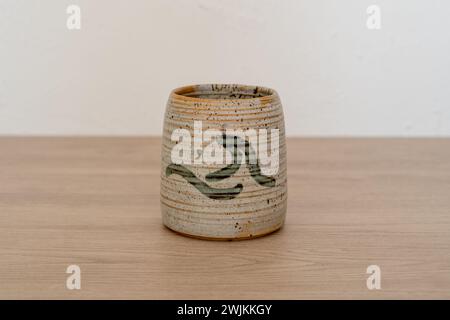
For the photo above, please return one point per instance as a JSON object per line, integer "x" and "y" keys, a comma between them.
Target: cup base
{"x": 194, "y": 236}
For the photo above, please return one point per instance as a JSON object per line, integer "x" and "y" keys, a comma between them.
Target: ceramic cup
{"x": 223, "y": 162}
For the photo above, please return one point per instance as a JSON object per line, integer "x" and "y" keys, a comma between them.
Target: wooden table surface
{"x": 94, "y": 202}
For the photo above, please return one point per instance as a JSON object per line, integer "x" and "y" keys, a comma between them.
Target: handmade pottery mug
{"x": 223, "y": 162}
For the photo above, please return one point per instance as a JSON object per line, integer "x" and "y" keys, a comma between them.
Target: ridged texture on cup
{"x": 257, "y": 209}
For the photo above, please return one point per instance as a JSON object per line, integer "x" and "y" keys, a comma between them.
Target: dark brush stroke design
{"x": 212, "y": 193}
{"x": 229, "y": 170}
{"x": 254, "y": 168}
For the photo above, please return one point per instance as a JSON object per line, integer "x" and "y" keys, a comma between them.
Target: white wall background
{"x": 335, "y": 76}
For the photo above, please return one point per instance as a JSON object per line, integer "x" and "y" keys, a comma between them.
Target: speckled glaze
{"x": 257, "y": 207}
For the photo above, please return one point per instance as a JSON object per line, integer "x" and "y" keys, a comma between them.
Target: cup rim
{"x": 180, "y": 92}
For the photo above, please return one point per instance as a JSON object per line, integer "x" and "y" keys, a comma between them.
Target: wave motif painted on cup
{"x": 224, "y": 173}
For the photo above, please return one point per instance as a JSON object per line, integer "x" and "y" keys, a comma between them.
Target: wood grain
{"x": 94, "y": 202}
